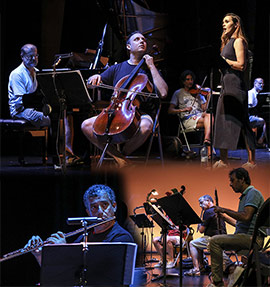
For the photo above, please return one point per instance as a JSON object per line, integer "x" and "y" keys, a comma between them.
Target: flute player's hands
{"x": 57, "y": 238}
{"x": 35, "y": 241}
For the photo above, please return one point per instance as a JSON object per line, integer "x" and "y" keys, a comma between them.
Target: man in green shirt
{"x": 244, "y": 220}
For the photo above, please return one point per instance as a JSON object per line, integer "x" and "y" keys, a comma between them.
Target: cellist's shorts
{"x": 201, "y": 242}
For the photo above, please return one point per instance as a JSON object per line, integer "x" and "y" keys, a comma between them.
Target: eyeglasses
{"x": 31, "y": 56}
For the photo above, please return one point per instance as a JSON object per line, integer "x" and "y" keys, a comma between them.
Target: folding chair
{"x": 258, "y": 259}
{"x": 185, "y": 244}
{"x": 155, "y": 133}
{"x": 182, "y": 130}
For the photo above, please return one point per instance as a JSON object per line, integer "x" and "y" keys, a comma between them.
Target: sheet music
{"x": 161, "y": 214}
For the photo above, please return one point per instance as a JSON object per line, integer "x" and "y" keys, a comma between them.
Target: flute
{"x": 23, "y": 250}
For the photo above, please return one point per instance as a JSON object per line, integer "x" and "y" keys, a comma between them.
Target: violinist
{"x": 136, "y": 46}
{"x": 190, "y": 103}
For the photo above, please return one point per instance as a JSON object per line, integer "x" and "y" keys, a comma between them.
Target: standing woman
{"x": 232, "y": 109}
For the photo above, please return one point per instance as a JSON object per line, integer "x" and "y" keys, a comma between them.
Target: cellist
{"x": 136, "y": 46}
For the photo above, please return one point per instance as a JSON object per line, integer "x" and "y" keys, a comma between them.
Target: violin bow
{"x": 218, "y": 216}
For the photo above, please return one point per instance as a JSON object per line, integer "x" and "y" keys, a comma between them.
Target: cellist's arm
{"x": 94, "y": 80}
{"x": 158, "y": 80}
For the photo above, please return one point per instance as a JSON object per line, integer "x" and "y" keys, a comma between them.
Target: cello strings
{"x": 145, "y": 94}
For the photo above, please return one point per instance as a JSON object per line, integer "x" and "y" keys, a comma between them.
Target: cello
{"x": 120, "y": 120}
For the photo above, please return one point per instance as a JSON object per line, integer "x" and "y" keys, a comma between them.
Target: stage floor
{"x": 9, "y": 164}
{"x": 60, "y": 196}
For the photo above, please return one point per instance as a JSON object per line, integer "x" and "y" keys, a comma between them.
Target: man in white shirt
{"x": 255, "y": 121}
{"x": 23, "y": 81}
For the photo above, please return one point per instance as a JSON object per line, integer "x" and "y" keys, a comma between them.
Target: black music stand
{"x": 181, "y": 214}
{"x": 142, "y": 221}
{"x": 62, "y": 90}
{"x": 165, "y": 225}
{"x": 108, "y": 264}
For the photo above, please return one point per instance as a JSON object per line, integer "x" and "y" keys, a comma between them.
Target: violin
{"x": 120, "y": 120}
{"x": 199, "y": 90}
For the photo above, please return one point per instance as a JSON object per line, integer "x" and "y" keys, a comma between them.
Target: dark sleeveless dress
{"x": 232, "y": 107}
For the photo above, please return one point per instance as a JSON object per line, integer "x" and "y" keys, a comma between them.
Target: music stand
{"x": 180, "y": 213}
{"x": 165, "y": 225}
{"x": 108, "y": 264}
{"x": 142, "y": 221}
{"x": 62, "y": 90}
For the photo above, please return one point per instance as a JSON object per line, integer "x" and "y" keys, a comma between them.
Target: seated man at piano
{"x": 99, "y": 201}
{"x": 136, "y": 45}
{"x": 22, "y": 82}
{"x": 255, "y": 120}
{"x": 190, "y": 103}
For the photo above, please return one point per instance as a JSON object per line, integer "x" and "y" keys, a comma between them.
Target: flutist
{"x": 208, "y": 228}
{"x": 99, "y": 201}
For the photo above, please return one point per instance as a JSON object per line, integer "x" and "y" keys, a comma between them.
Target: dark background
{"x": 39, "y": 204}
{"x": 192, "y": 38}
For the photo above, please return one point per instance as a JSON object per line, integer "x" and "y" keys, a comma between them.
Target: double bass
{"x": 120, "y": 120}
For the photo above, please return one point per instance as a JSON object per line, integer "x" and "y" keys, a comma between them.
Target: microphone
{"x": 59, "y": 57}
{"x": 62, "y": 56}
{"x": 80, "y": 220}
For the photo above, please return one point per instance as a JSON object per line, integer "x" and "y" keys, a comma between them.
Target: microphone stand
{"x": 61, "y": 132}
{"x": 83, "y": 281}
{"x": 211, "y": 116}
{"x": 99, "y": 49}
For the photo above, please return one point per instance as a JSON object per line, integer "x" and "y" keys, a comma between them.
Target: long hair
{"x": 239, "y": 31}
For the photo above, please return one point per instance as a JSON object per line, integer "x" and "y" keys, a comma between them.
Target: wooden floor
{"x": 153, "y": 277}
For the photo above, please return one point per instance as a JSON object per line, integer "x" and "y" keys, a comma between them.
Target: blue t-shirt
{"x": 250, "y": 197}
{"x": 114, "y": 234}
{"x": 210, "y": 223}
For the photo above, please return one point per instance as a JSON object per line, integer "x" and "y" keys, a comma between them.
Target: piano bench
{"x": 21, "y": 127}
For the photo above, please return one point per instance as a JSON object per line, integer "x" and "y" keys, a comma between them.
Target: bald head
{"x": 27, "y": 49}
{"x": 29, "y": 55}
{"x": 258, "y": 84}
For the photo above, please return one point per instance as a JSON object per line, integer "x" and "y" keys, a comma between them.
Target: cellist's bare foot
{"x": 123, "y": 162}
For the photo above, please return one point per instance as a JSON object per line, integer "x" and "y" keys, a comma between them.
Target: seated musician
{"x": 256, "y": 121}
{"x": 136, "y": 46}
{"x": 173, "y": 238}
{"x": 99, "y": 201}
{"x": 22, "y": 81}
{"x": 192, "y": 107}
{"x": 209, "y": 227}
{"x": 244, "y": 219}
